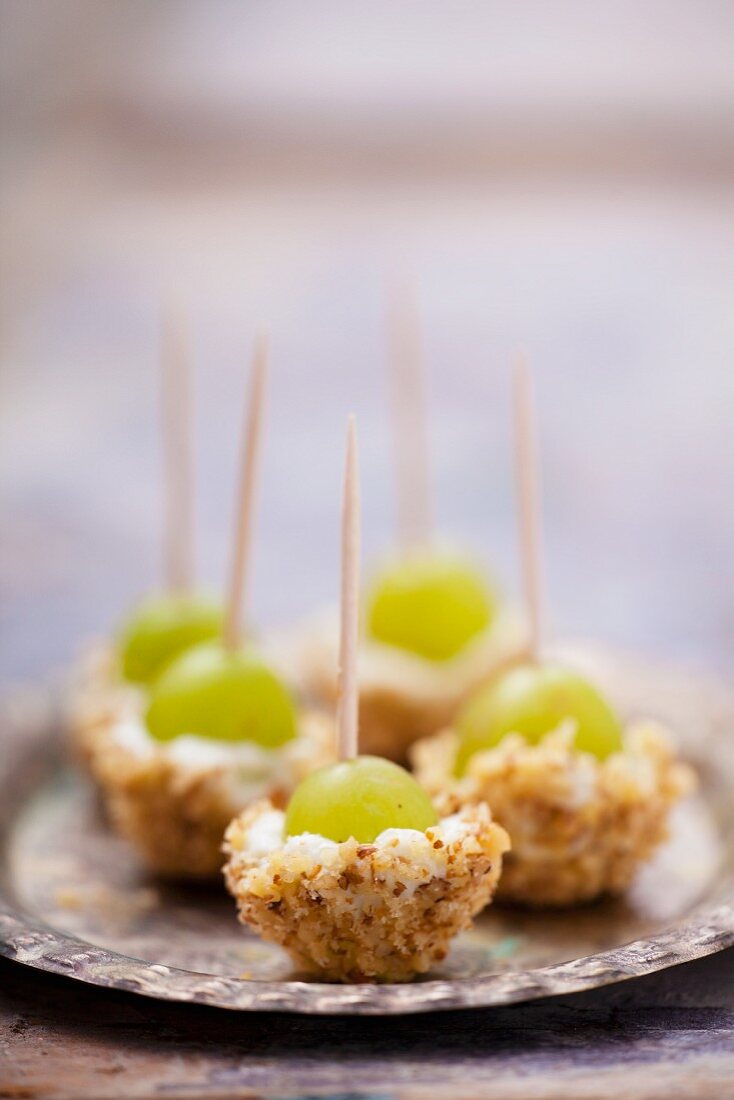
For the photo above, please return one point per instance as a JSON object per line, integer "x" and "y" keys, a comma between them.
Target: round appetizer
{"x": 220, "y": 731}
{"x": 359, "y": 880}
{"x": 435, "y": 630}
{"x": 352, "y": 904}
{"x": 216, "y": 728}
{"x": 585, "y": 800}
{"x": 435, "y": 627}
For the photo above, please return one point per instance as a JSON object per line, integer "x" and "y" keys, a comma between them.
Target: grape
{"x": 534, "y": 700}
{"x": 161, "y": 629}
{"x": 431, "y": 605}
{"x": 226, "y": 695}
{"x": 358, "y": 798}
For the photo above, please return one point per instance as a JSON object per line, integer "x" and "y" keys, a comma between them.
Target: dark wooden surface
{"x": 668, "y": 1035}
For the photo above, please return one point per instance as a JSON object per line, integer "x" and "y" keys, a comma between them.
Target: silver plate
{"x": 74, "y": 902}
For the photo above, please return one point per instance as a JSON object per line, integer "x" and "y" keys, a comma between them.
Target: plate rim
{"x": 30, "y": 942}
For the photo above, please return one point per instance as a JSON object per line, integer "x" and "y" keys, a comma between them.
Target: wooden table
{"x": 669, "y": 1035}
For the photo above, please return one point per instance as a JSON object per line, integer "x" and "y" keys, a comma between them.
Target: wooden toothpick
{"x": 347, "y": 717}
{"x": 245, "y": 500}
{"x": 176, "y": 432}
{"x": 528, "y": 500}
{"x": 409, "y": 419}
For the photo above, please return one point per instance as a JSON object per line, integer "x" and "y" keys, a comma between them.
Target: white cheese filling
{"x": 267, "y": 835}
{"x": 251, "y": 769}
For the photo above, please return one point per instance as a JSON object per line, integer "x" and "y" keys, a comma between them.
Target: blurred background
{"x": 557, "y": 176}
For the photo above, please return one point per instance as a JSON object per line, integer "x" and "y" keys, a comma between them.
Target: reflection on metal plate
{"x": 75, "y": 902}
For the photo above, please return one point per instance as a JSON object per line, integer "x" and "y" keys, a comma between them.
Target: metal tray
{"x": 74, "y": 902}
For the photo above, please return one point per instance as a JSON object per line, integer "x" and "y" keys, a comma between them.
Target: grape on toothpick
{"x": 218, "y": 690}
{"x": 359, "y": 796}
{"x": 218, "y": 731}
{"x": 427, "y": 602}
{"x": 536, "y": 698}
{"x": 359, "y": 880}
{"x": 434, "y": 624}
{"x": 585, "y": 801}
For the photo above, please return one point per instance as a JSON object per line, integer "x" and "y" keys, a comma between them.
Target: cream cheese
{"x": 250, "y": 769}
{"x": 267, "y": 834}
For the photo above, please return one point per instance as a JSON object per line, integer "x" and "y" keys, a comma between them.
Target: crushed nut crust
{"x": 174, "y": 814}
{"x": 580, "y": 827}
{"x": 365, "y": 912}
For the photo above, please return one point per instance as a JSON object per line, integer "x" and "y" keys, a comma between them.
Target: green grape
{"x": 358, "y": 798}
{"x": 431, "y": 605}
{"x": 163, "y": 628}
{"x": 533, "y": 700}
{"x": 228, "y": 696}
